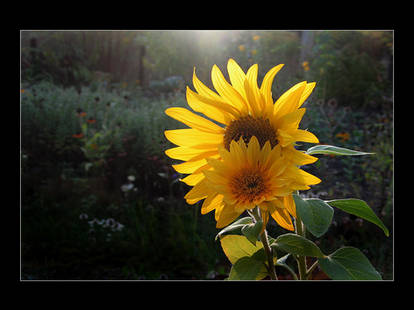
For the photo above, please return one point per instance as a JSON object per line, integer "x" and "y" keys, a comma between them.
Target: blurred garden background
{"x": 99, "y": 199}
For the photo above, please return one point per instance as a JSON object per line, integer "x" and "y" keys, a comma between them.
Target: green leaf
{"x": 235, "y": 228}
{"x": 348, "y": 263}
{"x": 297, "y": 245}
{"x": 333, "y": 150}
{"x": 252, "y": 231}
{"x": 235, "y": 247}
{"x": 249, "y": 267}
{"x": 315, "y": 214}
{"x": 359, "y": 208}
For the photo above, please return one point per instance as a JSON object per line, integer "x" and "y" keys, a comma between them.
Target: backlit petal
{"x": 208, "y": 107}
{"x": 226, "y": 91}
{"x": 193, "y": 120}
{"x": 237, "y": 77}
{"x": 193, "y": 137}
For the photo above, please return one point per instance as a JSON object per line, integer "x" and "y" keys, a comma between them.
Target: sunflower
{"x": 239, "y": 109}
{"x": 248, "y": 176}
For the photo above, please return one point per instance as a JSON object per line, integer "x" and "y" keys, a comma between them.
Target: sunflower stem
{"x": 268, "y": 251}
{"x": 300, "y": 230}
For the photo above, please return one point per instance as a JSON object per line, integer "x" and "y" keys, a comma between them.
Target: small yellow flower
{"x": 256, "y": 37}
{"x": 254, "y": 52}
{"x": 242, "y": 48}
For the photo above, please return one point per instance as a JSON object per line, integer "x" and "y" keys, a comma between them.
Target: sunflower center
{"x": 247, "y": 127}
{"x": 248, "y": 186}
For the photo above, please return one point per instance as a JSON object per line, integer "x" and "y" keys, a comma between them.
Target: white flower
{"x": 127, "y": 187}
{"x": 131, "y": 178}
{"x": 118, "y": 227}
{"x": 110, "y": 222}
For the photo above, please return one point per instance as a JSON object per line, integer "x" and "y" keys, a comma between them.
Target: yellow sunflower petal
{"x": 291, "y": 120}
{"x": 298, "y": 157}
{"x": 302, "y": 177}
{"x": 226, "y": 216}
{"x": 308, "y": 90}
{"x": 289, "y": 204}
{"x": 254, "y": 96}
{"x": 193, "y": 137}
{"x": 212, "y": 202}
{"x": 187, "y": 153}
{"x": 189, "y": 166}
{"x": 285, "y": 137}
{"x": 193, "y": 178}
{"x": 211, "y": 109}
{"x": 305, "y": 136}
{"x": 193, "y": 120}
{"x": 227, "y": 91}
{"x": 237, "y": 77}
{"x": 253, "y": 151}
{"x": 288, "y": 102}
{"x": 282, "y": 217}
{"x": 236, "y": 150}
{"x": 214, "y": 178}
{"x": 204, "y": 90}
{"x": 198, "y": 192}
{"x": 266, "y": 87}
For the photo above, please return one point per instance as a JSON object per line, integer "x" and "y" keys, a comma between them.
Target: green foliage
{"x": 348, "y": 263}
{"x": 235, "y": 228}
{"x": 296, "y": 245}
{"x": 333, "y": 150}
{"x": 247, "y": 259}
{"x": 252, "y": 231}
{"x": 315, "y": 214}
{"x": 359, "y": 208}
{"x": 349, "y": 65}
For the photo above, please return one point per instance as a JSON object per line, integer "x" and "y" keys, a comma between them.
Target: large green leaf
{"x": 359, "y": 208}
{"x": 348, "y": 263}
{"x": 333, "y": 150}
{"x": 315, "y": 214}
{"x": 235, "y": 228}
{"x": 297, "y": 245}
{"x": 249, "y": 267}
{"x": 252, "y": 231}
{"x": 235, "y": 247}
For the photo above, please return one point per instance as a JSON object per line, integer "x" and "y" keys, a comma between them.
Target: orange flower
{"x": 241, "y": 48}
{"x": 305, "y": 65}
{"x": 80, "y": 112}
{"x": 90, "y": 120}
{"x": 256, "y": 37}
{"x": 78, "y": 136}
{"x": 344, "y": 136}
